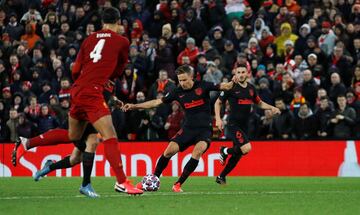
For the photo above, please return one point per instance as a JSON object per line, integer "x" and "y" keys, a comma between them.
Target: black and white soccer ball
{"x": 150, "y": 182}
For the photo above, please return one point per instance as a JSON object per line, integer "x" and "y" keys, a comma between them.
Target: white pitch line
{"x": 149, "y": 194}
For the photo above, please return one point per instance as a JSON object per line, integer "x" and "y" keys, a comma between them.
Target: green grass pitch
{"x": 242, "y": 195}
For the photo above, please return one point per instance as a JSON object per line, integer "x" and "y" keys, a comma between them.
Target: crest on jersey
{"x": 222, "y": 93}
{"x": 198, "y": 91}
{"x": 251, "y": 91}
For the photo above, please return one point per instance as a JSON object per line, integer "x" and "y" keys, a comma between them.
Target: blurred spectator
{"x": 343, "y": 119}
{"x": 297, "y": 101}
{"x": 337, "y": 87}
{"x": 190, "y": 51}
{"x": 25, "y": 128}
{"x": 338, "y": 60}
{"x": 12, "y": 124}
{"x": 32, "y": 15}
{"x": 208, "y": 50}
{"x": 323, "y": 115}
{"x": 174, "y": 120}
{"x": 33, "y": 109}
{"x": 46, "y": 121}
{"x": 163, "y": 84}
{"x": 229, "y": 57}
{"x": 14, "y": 28}
{"x": 165, "y": 59}
{"x": 30, "y": 36}
{"x": 353, "y": 102}
{"x": 213, "y": 74}
{"x": 305, "y": 123}
{"x": 128, "y": 85}
{"x": 266, "y": 122}
{"x": 137, "y": 120}
{"x": 18, "y": 103}
{"x": 264, "y": 90}
{"x": 46, "y": 92}
{"x": 282, "y": 126}
{"x": 309, "y": 88}
{"x": 285, "y": 35}
{"x": 327, "y": 38}
{"x": 195, "y": 26}
{"x": 304, "y": 33}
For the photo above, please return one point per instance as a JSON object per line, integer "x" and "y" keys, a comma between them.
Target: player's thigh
{"x": 76, "y": 128}
{"x": 199, "y": 149}
{"x": 171, "y": 149}
{"x": 240, "y": 140}
{"x": 75, "y": 157}
{"x": 105, "y": 126}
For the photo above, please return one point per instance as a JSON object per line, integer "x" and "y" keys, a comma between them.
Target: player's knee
{"x": 74, "y": 136}
{"x": 169, "y": 154}
{"x": 246, "y": 148}
{"x": 237, "y": 150}
{"x": 91, "y": 143}
{"x": 75, "y": 159}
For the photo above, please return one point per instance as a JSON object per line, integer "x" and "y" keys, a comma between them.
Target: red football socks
{"x": 112, "y": 154}
{"x": 51, "y": 137}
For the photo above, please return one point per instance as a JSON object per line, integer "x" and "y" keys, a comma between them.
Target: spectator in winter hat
{"x": 190, "y": 51}
{"x": 285, "y": 35}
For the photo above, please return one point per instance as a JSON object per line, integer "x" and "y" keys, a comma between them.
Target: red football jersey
{"x": 102, "y": 56}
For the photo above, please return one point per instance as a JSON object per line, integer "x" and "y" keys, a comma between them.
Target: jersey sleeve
{"x": 209, "y": 86}
{"x": 122, "y": 57}
{"x": 169, "y": 97}
{"x": 76, "y": 69}
{"x": 224, "y": 95}
{"x": 256, "y": 99}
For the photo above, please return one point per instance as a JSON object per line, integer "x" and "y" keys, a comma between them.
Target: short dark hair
{"x": 241, "y": 65}
{"x": 324, "y": 98}
{"x": 110, "y": 15}
{"x": 279, "y": 99}
{"x": 184, "y": 69}
{"x": 341, "y": 95}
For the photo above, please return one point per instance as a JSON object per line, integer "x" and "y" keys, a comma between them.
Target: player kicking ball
{"x": 241, "y": 98}
{"x": 197, "y": 130}
{"x": 103, "y": 56}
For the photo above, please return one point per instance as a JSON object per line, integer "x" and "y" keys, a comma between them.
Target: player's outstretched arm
{"x": 226, "y": 86}
{"x": 266, "y": 106}
{"x": 145, "y": 105}
{"x": 217, "y": 108}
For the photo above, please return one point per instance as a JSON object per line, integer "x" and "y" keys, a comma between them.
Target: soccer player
{"x": 102, "y": 57}
{"x": 196, "y": 130}
{"x": 240, "y": 98}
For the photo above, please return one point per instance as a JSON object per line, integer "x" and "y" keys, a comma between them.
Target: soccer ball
{"x": 150, "y": 182}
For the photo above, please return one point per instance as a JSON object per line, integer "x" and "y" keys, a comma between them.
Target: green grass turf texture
{"x": 242, "y": 195}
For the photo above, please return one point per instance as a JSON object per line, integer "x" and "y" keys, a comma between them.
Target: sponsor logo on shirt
{"x": 245, "y": 102}
{"x": 194, "y": 103}
{"x": 198, "y": 91}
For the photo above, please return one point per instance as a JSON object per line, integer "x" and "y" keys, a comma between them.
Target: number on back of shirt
{"x": 96, "y": 52}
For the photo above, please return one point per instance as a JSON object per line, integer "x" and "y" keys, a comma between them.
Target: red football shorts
{"x": 88, "y": 104}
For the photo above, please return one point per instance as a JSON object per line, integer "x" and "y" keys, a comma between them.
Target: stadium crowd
{"x": 303, "y": 57}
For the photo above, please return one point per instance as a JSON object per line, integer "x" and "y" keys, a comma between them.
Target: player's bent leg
{"x": 238, "y": 152}
{"x": 112, "y": 153}
{"x": 191, "y": 165}
{"x": 88, "y": 158}
{"x": 67, "y": 162}
{"x": 51, "y": 137}
{"x": 170, "y": 151}
{"x": 76, "y": 129}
